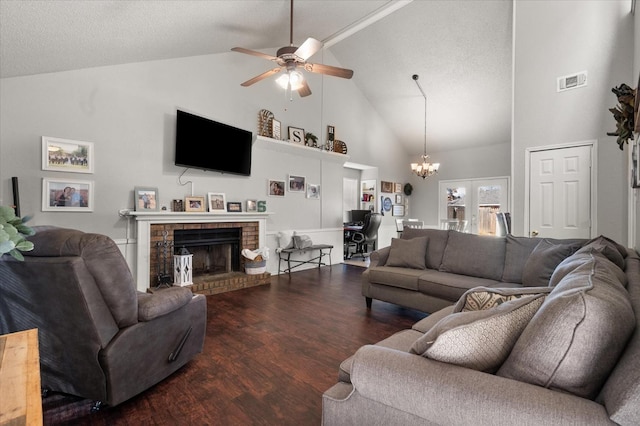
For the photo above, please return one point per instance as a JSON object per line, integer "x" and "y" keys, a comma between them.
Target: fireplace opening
{"x": 215, "y": 251}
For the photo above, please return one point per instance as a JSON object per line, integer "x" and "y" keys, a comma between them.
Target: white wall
{"x": 554, "y": 39}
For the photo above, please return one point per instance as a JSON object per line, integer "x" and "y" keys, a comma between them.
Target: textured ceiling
{"x": 460, "y": 49}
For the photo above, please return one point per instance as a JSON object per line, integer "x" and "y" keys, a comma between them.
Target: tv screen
{"x": 205, "y": 144}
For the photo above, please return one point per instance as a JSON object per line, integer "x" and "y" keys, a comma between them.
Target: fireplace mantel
{"x": 144, "y": 220}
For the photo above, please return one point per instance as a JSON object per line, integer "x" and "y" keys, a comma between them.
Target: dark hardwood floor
{"x": 269, "y": 354}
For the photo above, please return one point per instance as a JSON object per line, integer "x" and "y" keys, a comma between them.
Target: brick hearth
{"x": 209, "y": 284}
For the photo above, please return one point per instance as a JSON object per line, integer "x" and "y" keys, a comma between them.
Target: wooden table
{"x": 20, "y": 397}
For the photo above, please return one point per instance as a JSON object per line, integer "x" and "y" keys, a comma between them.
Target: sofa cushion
{"x": 285, "y": 239}
{"x": 609, "y": 248}
{"x": 396, "y": 277}
{"x": 518, "y": 250}
{"x": 474, "y": 255}
{"x": 543, "y": 261}
{"x": 437, "y": 242}
{"x": 576, "y": 337}
{"x": 448, "y": 286}
{"x": 482, "y": 339}
{"x": 582, "y": 256}
{"x": 408, "y": 253}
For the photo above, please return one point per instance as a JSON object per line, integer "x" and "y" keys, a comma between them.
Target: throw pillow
{"x": 408, "y": 253}
{"x": 285, "y": 240}
{"x": 518, "y": 251}
{"x": 480, "y": 340}
{"x": 481, "y": 298}
{"x": 474, "y": 255}
{"x": 576, "y": 337}
{"x": 543, "y": 261}
{"x": 610, "y": 249}
{"x": 301, "y": 241}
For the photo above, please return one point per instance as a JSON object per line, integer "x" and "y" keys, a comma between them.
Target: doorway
{"x": 560, "y": 198}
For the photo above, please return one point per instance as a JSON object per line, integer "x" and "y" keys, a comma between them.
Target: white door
{"x": 560, "y": 192}
{"x": 350, "y": 197}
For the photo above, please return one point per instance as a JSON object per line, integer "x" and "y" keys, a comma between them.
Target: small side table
{"x": 21, "y": 401}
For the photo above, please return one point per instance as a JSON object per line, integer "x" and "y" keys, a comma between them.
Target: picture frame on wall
{"x": 386, "y": 186}
{"x": 145, "y": 199}
{"x": 67, "y": 195}
{"x": 252, "y": 206}
{"x": 296, "y": 135}
{"x": 313, "y": 191}
{"x": 216, "y": 202}
{"x": 234, "y": 207}
{"x": 194, "y": 204}
{"x": 398, "y": 199}
{"x": 297, "y": 183}
{"x": 397, "y": 187}
{"x": 66, "y": 155}
{"x": 276, "y": 188}
{"x": 398, "y": 210}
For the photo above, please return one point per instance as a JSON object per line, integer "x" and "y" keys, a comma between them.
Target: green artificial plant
{"x": 13, "y": 232}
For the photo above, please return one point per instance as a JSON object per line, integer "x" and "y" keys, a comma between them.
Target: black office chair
{"x": 368, "y": 235}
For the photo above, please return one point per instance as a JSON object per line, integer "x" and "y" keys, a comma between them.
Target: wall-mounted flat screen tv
{"x": 206, "y": 144}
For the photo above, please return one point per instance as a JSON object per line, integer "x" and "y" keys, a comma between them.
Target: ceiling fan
{"x": 289, "y": 59}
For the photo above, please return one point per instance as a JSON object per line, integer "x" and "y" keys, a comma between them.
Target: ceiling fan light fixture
{"x": 292, "y": 79}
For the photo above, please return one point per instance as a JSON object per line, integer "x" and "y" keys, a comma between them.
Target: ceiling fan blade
{"x": 260, "y": 77}
{"x": 255, "y": 53}
{"x": 304, "y": 90}
{"x": 308, "y": 48}
{"x": 329, "y": 70}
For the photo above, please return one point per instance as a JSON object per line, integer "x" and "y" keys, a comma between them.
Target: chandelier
{"x": 424, "y": 167}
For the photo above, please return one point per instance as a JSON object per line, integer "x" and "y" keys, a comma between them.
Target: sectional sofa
{"x": 505, "y": 353}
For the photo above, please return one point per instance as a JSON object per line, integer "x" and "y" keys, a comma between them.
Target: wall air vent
{"x": 572, "y": 81}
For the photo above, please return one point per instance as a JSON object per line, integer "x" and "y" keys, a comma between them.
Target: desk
{"x": 21, "y": 401}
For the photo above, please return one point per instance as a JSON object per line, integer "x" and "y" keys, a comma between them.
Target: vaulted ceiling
{"x": 462, "y": 50}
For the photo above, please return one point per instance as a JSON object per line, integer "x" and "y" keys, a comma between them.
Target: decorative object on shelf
{"x": 265, "y": 118}
{"x": 252, "y": 206}
{"x": 313, "y": 191}
{"x": 331, "y": 135}
{"x": 216, "y": 202}
{"x": 289, "y": 59}
{"x": 13, "y": 232}
{"x": 296, "y": 135}
{"x": 182, "y": 267}
{"x": 164, "y": 248}
{"x": 386, "y": 186}
{"x": 296, "y": 183}
{"x": 386, "y": 203}
{"x": 276, "y": 129}
{"x": 311, "y": 140}
{"x": 339, "y": 147}
{"x": 262, "y": 206}
{"x": 275, "y": 188}
{"x": 64, "y": 155}
{"x": 177, "y": 205}
{"x": 408, "y": 189}
{"x": 424, "y": 168}
{"x": 145, "y": 199}
{"x": 67, "y": 195}
{"x": 624, "y": 114}
{"x": 194, "y": 204}
{"x": 234, "y": 207}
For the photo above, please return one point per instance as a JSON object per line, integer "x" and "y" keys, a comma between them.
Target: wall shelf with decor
{"x": 299, "y": 149}
{"x": 368, "y": 195}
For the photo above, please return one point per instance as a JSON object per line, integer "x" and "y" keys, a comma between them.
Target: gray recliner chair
{"x": 99, "y": 338}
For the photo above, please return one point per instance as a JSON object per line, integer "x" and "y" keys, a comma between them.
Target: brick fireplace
{"x": 154, "y": 228}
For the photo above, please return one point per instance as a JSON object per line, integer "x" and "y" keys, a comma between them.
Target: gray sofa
{"x": 429, "y": 269}
{"x": 98, "y": 337}
{"x": 563, "y": 354}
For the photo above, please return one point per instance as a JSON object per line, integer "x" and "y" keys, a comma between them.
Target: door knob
{"x": 534, "y": 233}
